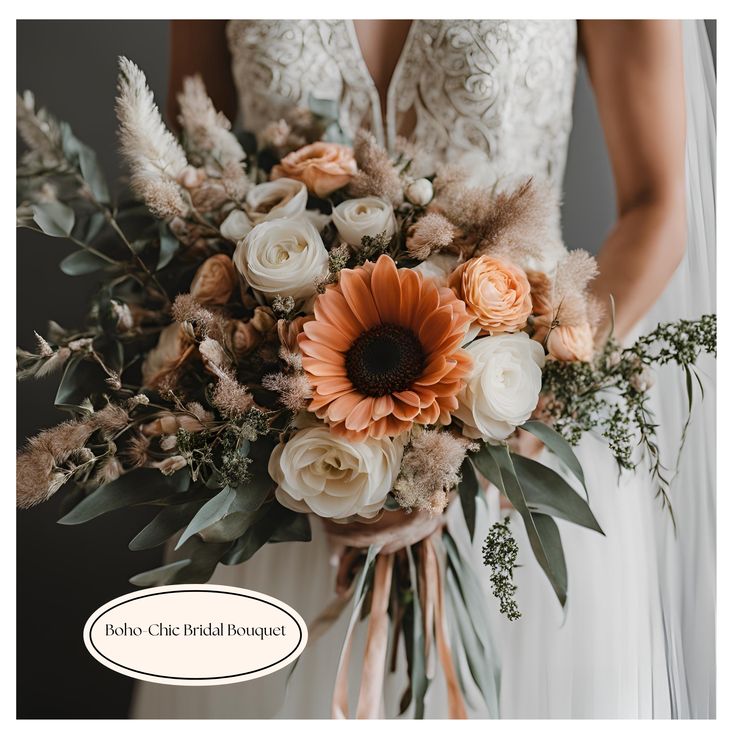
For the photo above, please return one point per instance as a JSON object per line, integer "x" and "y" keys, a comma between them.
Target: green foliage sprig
{"x": 499, "y": 553}
{"x": 610, "y": 394}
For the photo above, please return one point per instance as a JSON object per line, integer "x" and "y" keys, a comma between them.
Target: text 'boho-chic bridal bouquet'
{"x": 292, "y": 330}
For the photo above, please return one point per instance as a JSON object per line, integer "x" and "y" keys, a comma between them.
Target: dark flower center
{"x": 384, "y": 359}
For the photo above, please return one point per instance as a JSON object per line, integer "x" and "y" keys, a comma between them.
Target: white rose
{"x": 275, "y": 199}
{"x": 503, "y": 388}
{"x": 419, "y": 192}
{"x": 438, "y": 266}
{"x": 356, "y": 218}
{"x": 282, "y": 257}
{"x": 321, "y": 472}
{"x": 236, "y": 226}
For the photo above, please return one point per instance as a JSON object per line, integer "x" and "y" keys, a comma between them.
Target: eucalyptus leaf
{"x": 258, "y": 534}
{"x": 164, "y": 525}
{"x": 137, "y": 487}
{"x": 419, "y": 679}
{"x": 494, "y": 462}
{"x": 83, "y": 157}
{"x": 92, "y": 174}
{"x": 216, "y": 509}
{"x": 479, "y": 661}
{"x": 468, "y": 491}
{"x": 82, "y": 262}
{"x": 54, "y": 218}
{"x": 163, "y": 575}
{"x": 168, "y": 248}
{"x": 557, "y": 444}
{"x": 550, "y": 536}
{"x": 81, "y": 379}
{"x": 548, "y": 492}
{"x": 229, "y": 528}
{"x": 295, "y": 528}
{"x": 199, "y": 562}
{"x": 469, "y": 588}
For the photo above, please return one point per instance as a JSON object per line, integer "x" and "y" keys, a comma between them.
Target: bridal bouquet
{"x": 289, "y": 326}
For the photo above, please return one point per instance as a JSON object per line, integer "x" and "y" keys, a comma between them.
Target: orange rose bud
{"x": 322, "y": 167}
{"x": 214, "y": 281}
{"x": 571, "y": 343}
{"x": 496, "y": 293}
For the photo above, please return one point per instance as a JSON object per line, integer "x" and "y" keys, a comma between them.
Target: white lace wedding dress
{"x": 499, "y": 92}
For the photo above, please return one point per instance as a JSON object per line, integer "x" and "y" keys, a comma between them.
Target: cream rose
{"x": 438, "y": 266}
{"x": 323, "y": 167}
{"x": 275, "y": 199}
{"x": 282, "y": 257}
{"x": 321, "y": 472}
{"x": 503, "y": 389}
{"x": 356, "y": 218}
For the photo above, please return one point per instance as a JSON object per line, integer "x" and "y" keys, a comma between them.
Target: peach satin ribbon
{"x": 374, "y": 660}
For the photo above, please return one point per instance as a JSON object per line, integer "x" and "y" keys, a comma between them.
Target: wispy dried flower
{"x": 377, "y": 176}
{"x": 40, "y": 470}
{"x": 570, "y": 288}
{"x": 155, "y": 158}
{"x": 428, "y": 234}
{"x": 235, "y": 181}
{"x": 55, "y": 362}
{"x": 108, "y": 470}
{"x": 135, "y": 452}
{"x": 39, "y": 131}
{"x": 520, "y": 225}
{"x": 293, "y": 390}
{"x": 111, "y": 419}
{"x": 430, "y": 469}
{"x": 204, "y": 323}
{"x": 231, "y": 398}
{"x": 206, "y": 131}
{"x": 215, "y": 359}
{"x": 44, "y": 349}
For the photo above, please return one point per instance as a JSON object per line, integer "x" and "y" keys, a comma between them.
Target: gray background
{"x": 64, "y": 573}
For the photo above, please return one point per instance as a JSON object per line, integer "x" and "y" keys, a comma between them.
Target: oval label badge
{"x": 195, "y": 635}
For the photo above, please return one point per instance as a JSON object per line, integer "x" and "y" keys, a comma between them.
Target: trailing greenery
{"x": 610, "y": 394}
{"x": 499, "y": 554}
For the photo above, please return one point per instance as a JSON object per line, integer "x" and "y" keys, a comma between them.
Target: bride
{"x": 636, "y": 638}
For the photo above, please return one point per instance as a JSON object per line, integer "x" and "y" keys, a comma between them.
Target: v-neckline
{"x": 384, "y": 123}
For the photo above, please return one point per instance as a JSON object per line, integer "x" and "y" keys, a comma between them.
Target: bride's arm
{"x": 636, "y": 71}
{"x": 200, "y": 47}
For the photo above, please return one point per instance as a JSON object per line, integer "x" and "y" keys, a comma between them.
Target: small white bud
{"x": 419, "y": 192}
{"x": 235, "y": 226}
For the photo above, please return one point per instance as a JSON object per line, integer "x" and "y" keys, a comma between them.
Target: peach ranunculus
{"x": 214, "y": 281}
{"x": 496, "y": 293}
{"x": 323, "y": 167}
{"x": 171, "y": 351}
{"x": 571, "y": 343}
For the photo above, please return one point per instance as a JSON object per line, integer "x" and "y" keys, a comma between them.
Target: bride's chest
{"x": 469, "y": 85}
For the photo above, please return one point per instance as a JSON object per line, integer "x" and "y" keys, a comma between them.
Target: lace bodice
{"x": 499, "y": 88}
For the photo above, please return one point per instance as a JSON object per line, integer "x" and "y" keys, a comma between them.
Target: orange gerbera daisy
{"x": 383, "y": 351}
